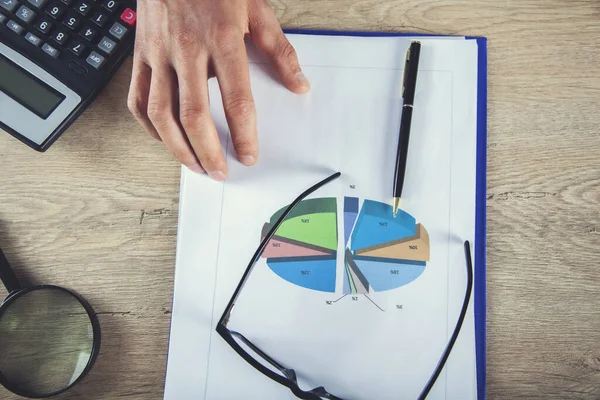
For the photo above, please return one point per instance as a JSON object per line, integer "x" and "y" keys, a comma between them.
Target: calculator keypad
{"x": 89, "y": 30}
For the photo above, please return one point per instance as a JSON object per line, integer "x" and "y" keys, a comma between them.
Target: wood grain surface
{"x": 98, "y": 212}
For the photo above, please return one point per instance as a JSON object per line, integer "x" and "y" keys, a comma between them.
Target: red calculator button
{"x": 128, "y": 17}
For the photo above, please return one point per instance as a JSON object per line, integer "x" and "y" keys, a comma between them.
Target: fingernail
{"x": 197, "y": 169}
{"x": 301, "y": 79}
{"x": 247, "y": 160}
{"x": 217, "y": 175}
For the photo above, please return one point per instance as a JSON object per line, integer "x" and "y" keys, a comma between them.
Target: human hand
{"x": 179, "y": 45}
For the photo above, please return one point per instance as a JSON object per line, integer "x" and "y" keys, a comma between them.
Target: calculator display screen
{"x": 26, "y": 89}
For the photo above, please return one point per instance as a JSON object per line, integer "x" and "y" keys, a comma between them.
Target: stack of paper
{"x": 348, "y": 296}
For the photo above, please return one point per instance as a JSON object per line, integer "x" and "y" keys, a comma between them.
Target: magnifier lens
{"x": 46, "y": 341}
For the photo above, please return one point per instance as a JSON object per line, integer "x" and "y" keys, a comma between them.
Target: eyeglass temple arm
{"x": 457, "y": 328}
{"x": 225, "y": 317}
{"x": 7, "y": 275}
{"x": 290, "y": 373}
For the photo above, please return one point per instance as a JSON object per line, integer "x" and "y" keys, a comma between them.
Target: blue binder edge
{"x": 479, "y": 295}
{"x": 480, "y": 218}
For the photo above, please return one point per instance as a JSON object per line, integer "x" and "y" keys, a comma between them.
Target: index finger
{"x": 231, "y": 69}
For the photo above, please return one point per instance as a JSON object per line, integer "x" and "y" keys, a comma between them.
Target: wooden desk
{"x": 98, "y": 211}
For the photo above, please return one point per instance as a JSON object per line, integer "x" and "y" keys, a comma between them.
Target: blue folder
{"x": 479, "y": 284}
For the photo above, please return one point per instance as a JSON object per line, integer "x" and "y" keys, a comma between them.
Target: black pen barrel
{"x": 401, "y": 155}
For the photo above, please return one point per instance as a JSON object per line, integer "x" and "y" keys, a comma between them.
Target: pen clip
{"x": 406, "y": 60}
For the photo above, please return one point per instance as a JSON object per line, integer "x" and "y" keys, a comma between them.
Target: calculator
{"x": 55, "y": 57}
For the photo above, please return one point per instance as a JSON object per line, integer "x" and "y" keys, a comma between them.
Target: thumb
{"x": 272, "y": 43}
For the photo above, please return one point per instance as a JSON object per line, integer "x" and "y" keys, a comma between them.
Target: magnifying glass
{"x": 49, "y": 337}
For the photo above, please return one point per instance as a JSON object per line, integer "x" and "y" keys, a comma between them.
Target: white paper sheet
{"x": 348, "y": 123}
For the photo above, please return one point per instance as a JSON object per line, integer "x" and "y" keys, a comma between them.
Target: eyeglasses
{"x": 287, "y": 377}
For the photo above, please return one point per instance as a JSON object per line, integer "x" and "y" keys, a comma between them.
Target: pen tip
{"x": 396, "y": 205}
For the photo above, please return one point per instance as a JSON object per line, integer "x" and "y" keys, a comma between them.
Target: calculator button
{"x": 110, "y": 5}
{"x": 51, "y": 51}
{"x": 60, "y": 37}
{"x": 100, "y": 19}
{"x": 56, "y": 10}
{"x": 43, "y": 25}
{"x": 95, "y": 60}
{"x": 25, "y": 14}
{"x": 34, "y": 40}
{"x": 67, "y": 2}
{"x": 88, "y": 33}
{"x": 83, "y": 7}
{"x": 118, "y": 30}
{"x": 107, "y": 45}
{"x": 16, "y": 28}
{"x": 72, "y": 20}
{"x": 76, "y": 47}
{"x": 9, "y": 5}
{"x": 2, "y": 18}
{"x": 128, "y": 17}
{"x": 37, "y": 3}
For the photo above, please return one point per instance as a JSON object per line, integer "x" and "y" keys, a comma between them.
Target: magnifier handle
{"x": 7, "y": 275}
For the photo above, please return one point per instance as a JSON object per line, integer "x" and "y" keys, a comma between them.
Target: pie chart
{"x": 380, "y": 252}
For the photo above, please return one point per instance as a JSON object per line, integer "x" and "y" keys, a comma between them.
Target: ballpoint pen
{"x": 411, "y": 67}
